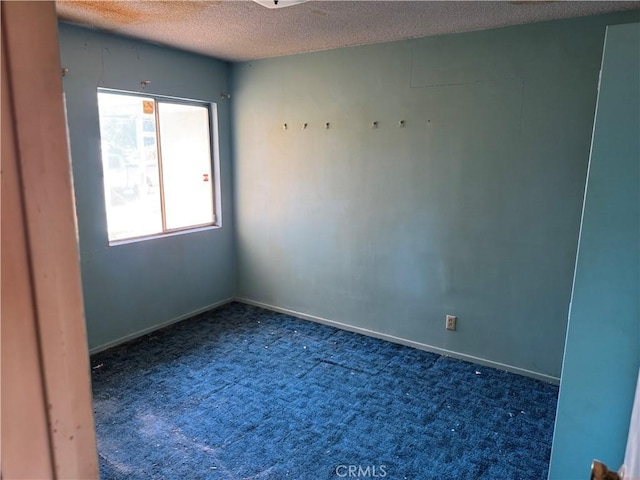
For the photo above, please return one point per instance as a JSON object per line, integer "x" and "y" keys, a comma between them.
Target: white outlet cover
{"x": 451, "y": 319}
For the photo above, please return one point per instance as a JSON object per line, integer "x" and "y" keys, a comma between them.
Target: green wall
{"x": 137, "y": 287}
{"x": 471, "y": 209}
{"x": 602, "y": 353}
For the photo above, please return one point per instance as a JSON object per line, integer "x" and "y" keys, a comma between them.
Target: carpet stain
{"x": 244, "y": 393}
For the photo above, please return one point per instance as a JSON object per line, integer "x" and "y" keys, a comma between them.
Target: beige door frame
{"x": 47, "y": 416}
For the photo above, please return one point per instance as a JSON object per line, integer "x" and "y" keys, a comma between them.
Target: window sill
{"x": 126, "y": 241}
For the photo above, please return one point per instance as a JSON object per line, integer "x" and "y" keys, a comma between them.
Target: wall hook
{"x": 374, "y": 125}
{"x": 144, "y": 83}
{"x": 401, "y": 124}
{"x": 305, "y": 125}
{"x": 326, "y": 125}
{"x": 284, "y": 126}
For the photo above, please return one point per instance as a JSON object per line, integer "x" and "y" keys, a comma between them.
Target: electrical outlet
{"x": 451, "y": 322}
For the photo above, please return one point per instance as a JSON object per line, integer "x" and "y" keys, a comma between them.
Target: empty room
{"x": 409, "y": 250}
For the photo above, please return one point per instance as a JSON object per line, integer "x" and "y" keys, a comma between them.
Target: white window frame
{"x": 212, "y": 109}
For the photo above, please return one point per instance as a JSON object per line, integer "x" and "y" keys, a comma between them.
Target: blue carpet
{"x": 244, "y": 393}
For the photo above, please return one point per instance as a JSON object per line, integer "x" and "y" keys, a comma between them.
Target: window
{"x": 157, "y": 163}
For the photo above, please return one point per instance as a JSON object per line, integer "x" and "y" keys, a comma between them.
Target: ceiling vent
{"x": 279, "y": 3}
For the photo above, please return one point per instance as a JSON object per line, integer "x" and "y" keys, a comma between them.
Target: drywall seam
{"x": 153, "y": 328}
{"x": 404, "y": 341}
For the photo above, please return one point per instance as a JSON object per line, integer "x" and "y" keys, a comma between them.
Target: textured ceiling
{"x": 243, "y": 30}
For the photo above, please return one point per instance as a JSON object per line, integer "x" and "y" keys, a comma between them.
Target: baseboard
{"x": 404, "y": 341}
{"x": 144, "y": 331}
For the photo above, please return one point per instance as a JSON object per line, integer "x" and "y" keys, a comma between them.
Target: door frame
{"x": 47, "y": 416}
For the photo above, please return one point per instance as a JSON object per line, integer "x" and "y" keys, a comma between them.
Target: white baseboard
{"x": 404, "y": 341}
{"x": 144, "y": 331}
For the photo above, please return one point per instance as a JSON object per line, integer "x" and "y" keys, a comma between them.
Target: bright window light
{"x": 157, "y": 164}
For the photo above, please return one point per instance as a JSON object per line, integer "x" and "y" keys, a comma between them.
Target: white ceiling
{"x": 243, "y": 30}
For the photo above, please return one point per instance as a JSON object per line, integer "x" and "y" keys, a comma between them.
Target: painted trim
{"x": 153, "y": 328}
{"x": 45, "y": 370}
{"x": 406, "y": 342}
{"x": 342, "y": 326}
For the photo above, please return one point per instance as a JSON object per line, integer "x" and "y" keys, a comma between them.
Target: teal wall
{"x": 472, "y": 209}
{"x": 602, "y": 353}
{"x": 137, "y": 286}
